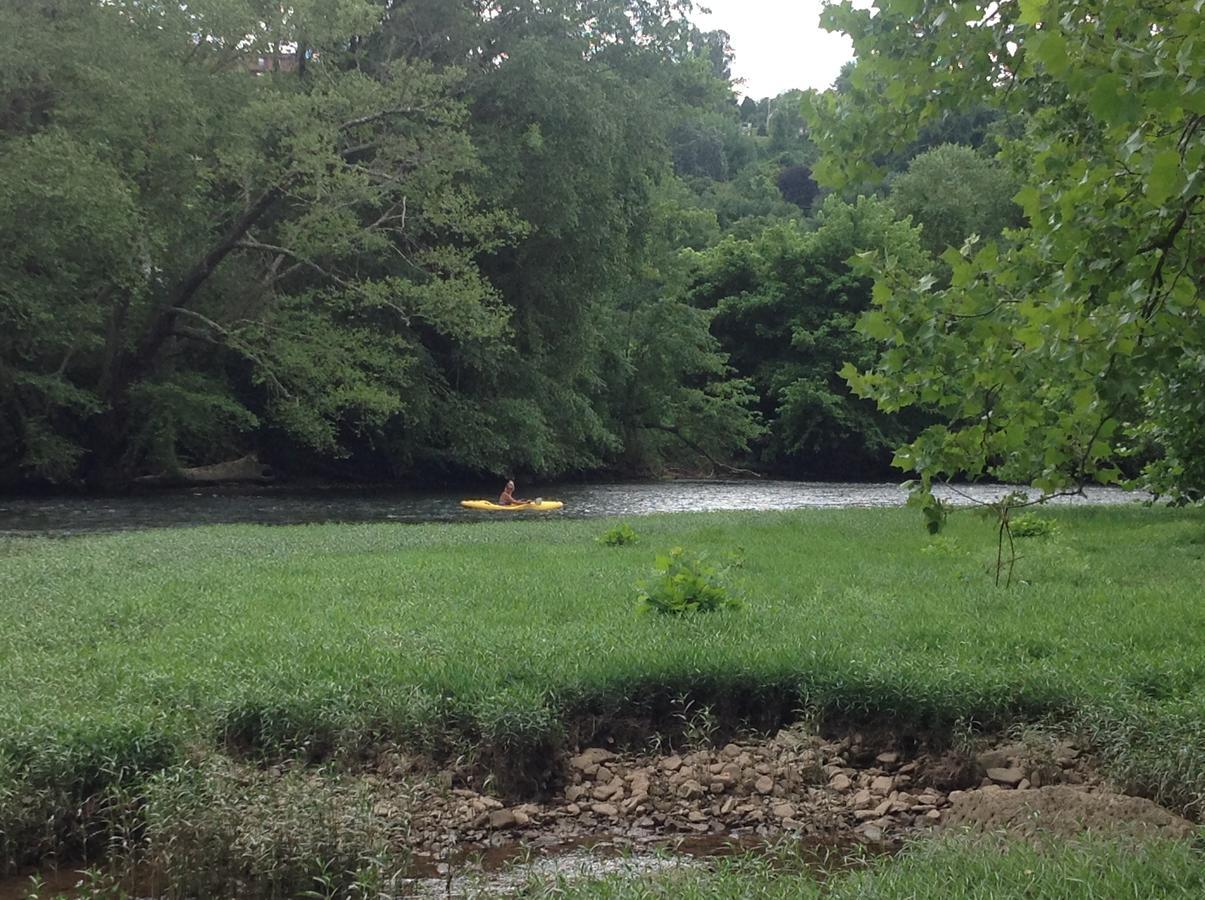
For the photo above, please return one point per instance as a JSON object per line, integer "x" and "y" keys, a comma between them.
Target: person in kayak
{"x": 507, "y": 497}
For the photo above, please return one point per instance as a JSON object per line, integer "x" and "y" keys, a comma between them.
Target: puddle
{"x": 498, "y": 871}
{"x": 508, "y": 869}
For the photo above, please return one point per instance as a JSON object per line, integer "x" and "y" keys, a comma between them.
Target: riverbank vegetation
{"x": 124, "y": 655}
{"x": 419, "y": 238}
{"x": 963, "y": 869}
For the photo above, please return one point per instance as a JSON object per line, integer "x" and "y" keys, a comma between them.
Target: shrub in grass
{"x": 619, "y": 536}
{"x": 1029, "y": 525}
{"x": 686, "y": 584}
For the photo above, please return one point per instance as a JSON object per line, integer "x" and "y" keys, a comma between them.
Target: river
{"x": 293, "y": 506}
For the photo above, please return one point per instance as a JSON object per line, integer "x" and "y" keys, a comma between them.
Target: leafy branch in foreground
{"x": 1072, "y": 344}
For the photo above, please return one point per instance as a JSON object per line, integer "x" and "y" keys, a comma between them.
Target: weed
{"x": 620, "y": 535}
{"x": 687, "y": 584}
{"x": 1030, "y": 525}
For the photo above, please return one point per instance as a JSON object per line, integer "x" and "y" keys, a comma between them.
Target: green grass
{"x": 120, "y": 653}
{"x": 955, "y": 868}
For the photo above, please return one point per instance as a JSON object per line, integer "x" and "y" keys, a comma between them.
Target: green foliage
{"x": 784, "y": 304}
{"x": 290, "y": 255}
{"x": 952, "y": 192}
{"x": 687, "y": 584}
{"x": 1068, "y": 345}
{"x": 398, "y": 253}
{"x": 1031, "y": 525}
{"x": 620, "y": 535}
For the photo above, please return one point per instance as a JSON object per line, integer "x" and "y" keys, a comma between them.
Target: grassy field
{"x": 120, "y": 654}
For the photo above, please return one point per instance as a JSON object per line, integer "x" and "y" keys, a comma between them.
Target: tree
{"x": 796, "y": 185}
{"x": 953, "y": 193}
{"x": 1063, "y": 347}
{"x": 784, "y": 304}
{"x": 193, "y": 260}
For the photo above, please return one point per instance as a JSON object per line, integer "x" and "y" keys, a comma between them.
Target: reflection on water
{"x": 289, "y": 506}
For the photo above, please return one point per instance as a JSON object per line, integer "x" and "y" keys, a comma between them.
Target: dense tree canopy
{"x": 456, "y": 238}
{"x": 1073, "y": 347}
{"x": 785, "y": 306}
{"x": 405, "y": 244}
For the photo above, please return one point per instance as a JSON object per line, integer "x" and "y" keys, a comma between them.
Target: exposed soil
{"x": 1063, "y": 810}
{"x": 838, "y": 800}
{"x": 834, "y": 792}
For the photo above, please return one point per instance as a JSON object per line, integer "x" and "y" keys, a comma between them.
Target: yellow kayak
{"x": 542, "y": 506}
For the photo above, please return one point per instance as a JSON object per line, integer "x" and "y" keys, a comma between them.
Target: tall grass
{"x": 119, "y": 653}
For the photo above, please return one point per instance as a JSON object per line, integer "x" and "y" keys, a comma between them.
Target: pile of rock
{"x": 792, "y": 783}
{"x": 825, "y": 791}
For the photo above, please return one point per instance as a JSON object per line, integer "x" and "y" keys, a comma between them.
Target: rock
{"x": 718, "y": 786}
{"x": 690, "y": 789}
{"x": 1010, "y": 777}
{"x": 605, "y": 809}
{"x": 871, "y": 833}
{"x": 933, "y": 815}
{"x": 882, "y": 785}
{"x": 783, "y": 810}
{"x": 588, "y": 761}
{"x": 521, "y": 818}
{"x": 575, "y": 792}
{"x": 607, "y": 791}
{"x": 602, "y": 773}
{"x": 764, "y": 785}
{"x": 671, "y": 763}
{"x": 573, "y": 809}
{"x": 695, "y": 816}
{"x": 861, "y": 799}
{"x": 840, "y": 782}
{"x": 883, "y": 808}
{"x": 865, "y": 815}
{"x": 887, "y": 759}
{"x": 730, "y": 751}
{"x": 502, "y": 818}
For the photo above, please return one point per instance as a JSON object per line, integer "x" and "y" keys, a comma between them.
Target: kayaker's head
{"x": 510, "y": 484}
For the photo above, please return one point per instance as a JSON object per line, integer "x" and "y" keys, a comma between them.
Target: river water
{"x": 293, "y": 506}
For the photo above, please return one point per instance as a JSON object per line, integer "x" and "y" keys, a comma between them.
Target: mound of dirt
{"x": 1062, "y": 810}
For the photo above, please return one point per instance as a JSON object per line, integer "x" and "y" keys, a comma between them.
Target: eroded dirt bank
{"x": 833, "y": 790}
{"x": 233, "y": 828}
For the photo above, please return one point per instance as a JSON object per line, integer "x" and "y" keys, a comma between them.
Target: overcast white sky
{"x": 779, "y": 44}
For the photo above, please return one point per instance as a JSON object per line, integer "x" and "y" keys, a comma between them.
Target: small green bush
{"x": 1029, "y": 525}
{"x": 687, "y": 584}
{"x": 619, "y": 536}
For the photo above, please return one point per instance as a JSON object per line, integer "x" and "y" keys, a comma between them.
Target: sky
{"x": 779, "y": 44}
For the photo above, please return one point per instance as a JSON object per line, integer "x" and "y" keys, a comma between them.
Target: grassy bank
{"x": 120, "y": 653}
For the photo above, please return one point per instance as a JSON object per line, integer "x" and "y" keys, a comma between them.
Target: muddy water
{"x": 503, "y": 870}
{"x": 290, "y": 506}
{"x": 498, "y": 871}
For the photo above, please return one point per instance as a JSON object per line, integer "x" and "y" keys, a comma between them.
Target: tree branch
{"x": 676, "y": 432}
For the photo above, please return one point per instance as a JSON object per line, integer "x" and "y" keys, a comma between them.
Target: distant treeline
{"x": 454, "y": 238}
